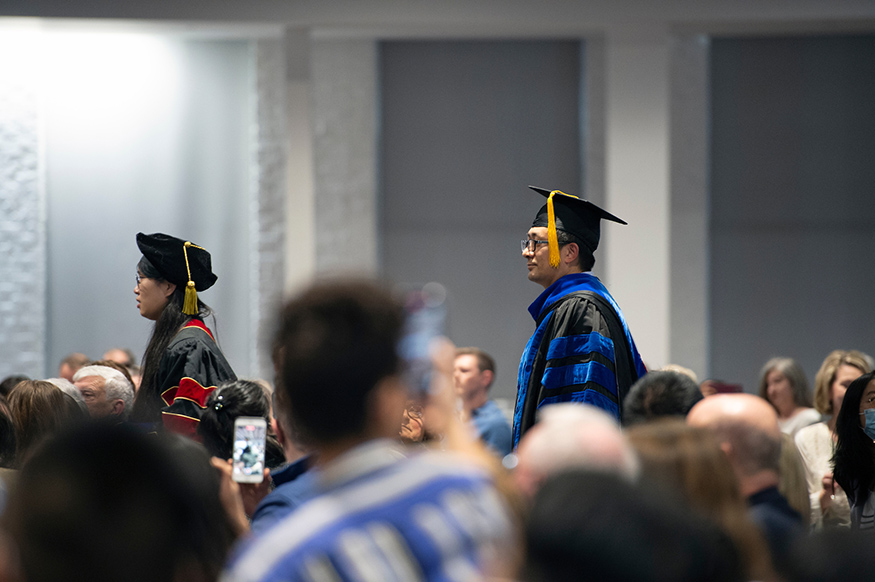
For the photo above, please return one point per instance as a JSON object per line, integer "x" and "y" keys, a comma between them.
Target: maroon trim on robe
{"x": 200, "y": 325}
{"x": 189, "y": 400}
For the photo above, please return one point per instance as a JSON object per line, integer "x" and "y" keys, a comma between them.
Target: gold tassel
{"x": 553, "y": 240}
{"x": 189, "y": 306}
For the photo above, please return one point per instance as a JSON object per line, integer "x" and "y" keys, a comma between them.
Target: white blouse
{"x": 816, "y": 447}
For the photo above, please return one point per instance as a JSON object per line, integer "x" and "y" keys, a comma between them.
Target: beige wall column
{"x": 332, "y": 118}
{"x": 689, "y": 233}
{"x": 637, "y": 184}
{"x": 345, "y": 122}
{"x": 300, "y": 243}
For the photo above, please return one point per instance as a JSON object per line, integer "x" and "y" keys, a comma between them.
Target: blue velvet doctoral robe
{"x": 571, "y": 357}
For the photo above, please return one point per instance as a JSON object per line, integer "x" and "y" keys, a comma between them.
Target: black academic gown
{"x": 190, "y": 369}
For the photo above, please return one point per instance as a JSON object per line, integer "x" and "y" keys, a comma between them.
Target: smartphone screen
{"x": 249, "y": 444}
{"x": 426, "y": 319}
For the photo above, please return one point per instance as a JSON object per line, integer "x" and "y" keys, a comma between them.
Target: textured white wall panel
{"x": 22, "y": 224}
{"x": 267, "y": 199}
{"x": 345, "y": 129}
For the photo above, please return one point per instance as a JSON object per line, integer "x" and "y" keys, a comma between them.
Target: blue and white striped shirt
{"x": 383, "y": 518}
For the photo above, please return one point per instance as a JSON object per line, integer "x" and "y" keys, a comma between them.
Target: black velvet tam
{"x": 166, "y": 254}
{"x": 575, "y": 216}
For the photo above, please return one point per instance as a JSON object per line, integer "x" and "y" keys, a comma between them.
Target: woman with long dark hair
{"x": 854, "y": 458}
{"x": 182, "y": 363}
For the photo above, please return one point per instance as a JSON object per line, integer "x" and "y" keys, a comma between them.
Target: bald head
{"x": 747, "y": 427}
{"x": 745, "y": 409}
{"x": 572, "y": 435}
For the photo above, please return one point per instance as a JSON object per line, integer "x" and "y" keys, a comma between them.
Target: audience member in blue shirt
{"x": 473, "y": 374}
{"x": 376, "y": 514}
{"x": 294, "y": 485}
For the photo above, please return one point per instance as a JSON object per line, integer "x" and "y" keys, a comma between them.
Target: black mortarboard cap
{"x": 180, "y": 262}
{"x": 573, "y": 215}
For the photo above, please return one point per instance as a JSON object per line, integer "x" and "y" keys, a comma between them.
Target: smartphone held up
{"x": 250, "y": 434}
{"x": 426, "y": 311}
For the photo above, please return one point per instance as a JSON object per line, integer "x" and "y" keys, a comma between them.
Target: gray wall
{"x": 466, "y": 126}
{"x": 136, "y": 143}
{"x": 792, "y": 182}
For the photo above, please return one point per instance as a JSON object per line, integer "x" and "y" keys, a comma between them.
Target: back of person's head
{"x": 658, "y": 395}
{"x": 826, "y": 375}
{"x": 572, "y": 435}
{"x": 9, "y": 382}
{"x": 688, "y": 461}
{"x": 748, "y": 425}
{"x": 108, "y": 503}
{"x": 117, "y": 384}
{"x": 593, "y": 526}
{"x": 75, "y": 360}
{"x": 756, "y": 450}
{"x": 794, "y": 374}
{"x": 125, "y": 370}
{"x": 680, "y": 370}
{"x": 337, "y": 342}
{"x": 228, "y": 402}
{"x": 122, "y": 356}
{"x": 39, "y": 410}
{"x": 71, "y": 363}
{"x": 70, "y": 390}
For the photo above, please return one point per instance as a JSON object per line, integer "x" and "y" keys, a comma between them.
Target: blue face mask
{"x": 869, "y": 429}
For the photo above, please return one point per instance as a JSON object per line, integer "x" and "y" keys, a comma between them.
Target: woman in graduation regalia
{"x": 183, "y": 364}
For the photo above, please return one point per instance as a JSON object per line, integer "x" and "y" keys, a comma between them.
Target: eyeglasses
{"x": 140, "y": 278}
{"x": 531, "y": 245}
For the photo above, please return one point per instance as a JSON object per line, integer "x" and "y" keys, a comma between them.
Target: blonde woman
{"x": 816, "y": 443}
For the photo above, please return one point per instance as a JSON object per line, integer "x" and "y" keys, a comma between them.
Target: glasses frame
{"x": 531, "y": 244}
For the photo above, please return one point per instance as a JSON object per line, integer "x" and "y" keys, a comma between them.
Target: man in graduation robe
{"x": 582, "y": 349}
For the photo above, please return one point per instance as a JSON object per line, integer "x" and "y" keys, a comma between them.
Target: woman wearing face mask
{"x": 182, "y": 364}
{"x": 854, "y": 459}
{"x": 816, "y": 443}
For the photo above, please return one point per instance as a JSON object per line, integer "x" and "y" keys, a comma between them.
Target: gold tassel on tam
{"x": 553, "y": 240}
{"x": 189, "y": 306}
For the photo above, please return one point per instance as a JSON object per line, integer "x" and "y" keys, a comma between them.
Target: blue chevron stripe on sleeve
{"x": 579, "y": 345}
{"x": 580, "y": 374}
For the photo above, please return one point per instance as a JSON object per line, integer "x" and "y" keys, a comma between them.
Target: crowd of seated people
{"x": 362, "y": 481}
